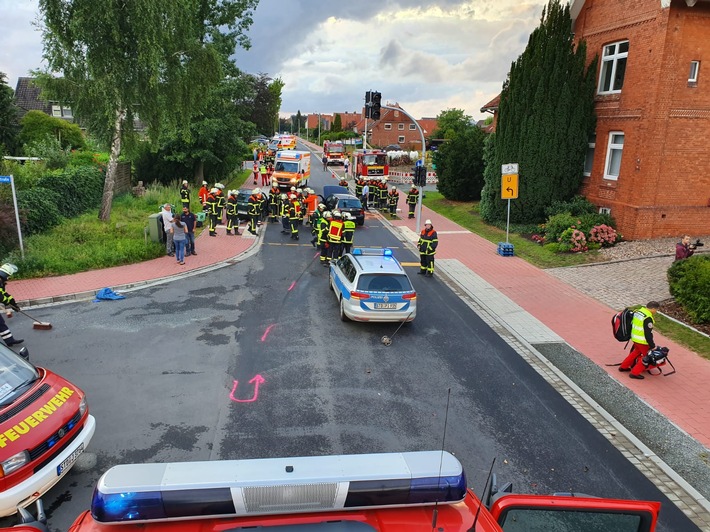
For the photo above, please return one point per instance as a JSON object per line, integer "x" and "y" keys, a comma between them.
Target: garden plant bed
{"x": 670, "y": 308}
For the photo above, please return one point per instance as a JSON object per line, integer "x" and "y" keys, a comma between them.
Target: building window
{"x": 589, "y": 159}
{"x": 57, "y": 110}
{"x": 605, "y": 210}
{"x": 388, "y": 127}
{"x": 611, "y": 78}
{"x": 396, "y": 114}
{"x": 400, "y": 127}
{"x": 400, "y": 139}
{"x": 694, "y": 69}
{"x": 66, "y": 112}
{"x": 613, "y": 155}
{"x": 412, "y": 127}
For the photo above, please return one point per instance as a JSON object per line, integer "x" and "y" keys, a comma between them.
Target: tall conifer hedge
{"x": 545, "y": 119}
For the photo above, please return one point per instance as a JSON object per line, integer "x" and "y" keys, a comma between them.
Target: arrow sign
{"x": 257, "y": 380}
{"x": 509, "y": 186}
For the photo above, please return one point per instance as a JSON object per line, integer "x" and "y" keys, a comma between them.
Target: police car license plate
{"x": 386, "y": 306}
{"x": 69, "y": 461}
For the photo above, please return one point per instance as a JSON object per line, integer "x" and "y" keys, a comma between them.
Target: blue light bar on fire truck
{"x": 184, "y": 490}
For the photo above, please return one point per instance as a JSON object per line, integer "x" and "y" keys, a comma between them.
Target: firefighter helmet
{"x": 283, "y": 196}
{"x": 214, "y": 190}
{"x": 256, "y": 191}
{"x": 327, "y": 214}
{"x": 337, "y": 214}
{"x": 7, "y": 270}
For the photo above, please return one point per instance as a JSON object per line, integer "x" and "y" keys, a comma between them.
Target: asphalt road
{"x": 252, "y": 360}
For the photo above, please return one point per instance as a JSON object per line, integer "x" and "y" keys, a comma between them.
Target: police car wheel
{"x": 343, "y": 317}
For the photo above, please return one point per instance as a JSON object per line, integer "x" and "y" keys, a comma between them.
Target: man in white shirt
{"x": 167, "y": 214}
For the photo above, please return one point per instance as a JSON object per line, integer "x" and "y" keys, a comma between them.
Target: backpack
{"x": 621, "y": 324}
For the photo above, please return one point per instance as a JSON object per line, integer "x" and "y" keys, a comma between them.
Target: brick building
{"x": 649, "y": 161}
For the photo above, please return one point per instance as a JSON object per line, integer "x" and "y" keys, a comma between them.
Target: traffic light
{"x": 419, "y": 176}
{"x": 376, "y": 102}
{"x": 368, "y": 103}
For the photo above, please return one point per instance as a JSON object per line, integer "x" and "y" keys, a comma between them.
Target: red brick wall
{"x": 663, "y": 187}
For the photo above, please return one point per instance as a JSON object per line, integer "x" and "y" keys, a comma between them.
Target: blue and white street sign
{"x": 5, "y": 178}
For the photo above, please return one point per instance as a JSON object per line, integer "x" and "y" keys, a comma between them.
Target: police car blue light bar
{"x": 384, "y": 252}
{"x": 184, "y": 490}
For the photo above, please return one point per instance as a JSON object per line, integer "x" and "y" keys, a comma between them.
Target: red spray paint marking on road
{"x": 257, "y": 380}
{"x": 266, "y": 332}
{"x": 292, "y": 285}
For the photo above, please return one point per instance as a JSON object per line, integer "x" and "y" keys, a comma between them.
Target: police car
{"x": 371, "y": 285}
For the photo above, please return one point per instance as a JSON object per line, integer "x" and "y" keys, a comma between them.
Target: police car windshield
{"x": 369, "y": 282}
{"x": 286, "y": 167}
{"x": 15, "y": 373}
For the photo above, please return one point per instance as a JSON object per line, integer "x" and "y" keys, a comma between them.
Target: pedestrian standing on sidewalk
{"x": 346, "y": 165}
{"x": 7, "y": 305}
{"x": 642, "y": 338}
{"x": 188, "y": 219}
{"x": 178, "y": 230}
{"x": 167, "y": 214}
{"x": 428, "y": 242}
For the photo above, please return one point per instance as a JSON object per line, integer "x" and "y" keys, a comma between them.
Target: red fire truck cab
{"x": 44, "y": 426}
{"x": 334, "y": 152}
{"x": 390, "y": 492}
{"x": 371, "y": 163}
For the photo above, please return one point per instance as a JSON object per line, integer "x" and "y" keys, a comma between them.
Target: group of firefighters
{"x": 379, "y": 197}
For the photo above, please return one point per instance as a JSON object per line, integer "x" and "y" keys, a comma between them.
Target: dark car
{"x": 346, "y": 203}
{"x": 243, "y": 204}
{"x": 393, "y": 147}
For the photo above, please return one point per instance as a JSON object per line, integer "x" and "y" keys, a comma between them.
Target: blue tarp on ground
{"x": 107, "y": 294}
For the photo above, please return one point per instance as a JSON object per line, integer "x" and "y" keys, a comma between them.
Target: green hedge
{"x": 39, "y": 210}
{"x": 689, "y": 282}
{"x": 79, "y": 188}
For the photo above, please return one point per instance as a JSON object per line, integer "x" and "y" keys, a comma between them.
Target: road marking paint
{"x": 268, "y": 329}
{"x": 257, "y": 380}
{"x": 292, "y": 285}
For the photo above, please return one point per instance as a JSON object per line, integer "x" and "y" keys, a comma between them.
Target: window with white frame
{"x": 396, "y": 114}
{"x": 611, "y": 77}
{"x": 694, "y": 69}
{"x": 412, "y": 127}
{"x": 614, "y": 150}
{"x": 66, "y": 112}
{"x": 589, "y": 158}
{"x": 57, "y": 110}
{"x": 388, "y": 127}
{"x": 400, "y": 127}
{"x": 400, "y": 139}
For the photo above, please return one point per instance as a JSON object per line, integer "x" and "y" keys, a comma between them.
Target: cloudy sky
{"x": 426, "y": 55}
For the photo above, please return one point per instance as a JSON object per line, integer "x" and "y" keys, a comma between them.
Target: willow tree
{"x": 119, "y": 60}
{"x": 545, "y": 118}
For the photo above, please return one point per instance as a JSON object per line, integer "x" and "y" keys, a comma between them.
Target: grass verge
{"x": 466, "y": 214}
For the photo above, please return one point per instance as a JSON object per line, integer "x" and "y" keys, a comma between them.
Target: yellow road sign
{"x": 509, "y": 186}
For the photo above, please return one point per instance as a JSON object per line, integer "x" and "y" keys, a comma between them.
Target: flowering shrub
{"x": 574, "y": 238}
{"x": 604, "y": 235}
{"x": 537, "y": 238}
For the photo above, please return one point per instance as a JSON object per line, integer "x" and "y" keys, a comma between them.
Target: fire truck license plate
{"x": 69, "y": 461}
{"x": 387, "y": 306}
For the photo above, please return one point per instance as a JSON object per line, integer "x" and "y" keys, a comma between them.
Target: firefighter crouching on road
{"x": 642, "y": 338}
{"x": 213, "y": 210}
{"x": 348, "y": 232}
{"x": 324, "y": 227}
{"x": 428, "y": 241}
{"x": 7, "y": 305}
{"x": 412, "y": 199}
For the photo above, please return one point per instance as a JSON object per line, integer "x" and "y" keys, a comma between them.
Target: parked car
{"x": 371, "y": 285}
{"x": 393, "y": 147}
{"x": 243, "y": 204}
{"x": 346, "y": 203}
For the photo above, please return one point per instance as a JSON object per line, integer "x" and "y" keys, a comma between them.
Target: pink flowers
{"x": 604, "y": 235}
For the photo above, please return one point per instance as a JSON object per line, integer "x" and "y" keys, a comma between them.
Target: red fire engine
{"x": 334, "y": 152}
{"x": 371, "y": 163}
{"x": 389, "y": 492}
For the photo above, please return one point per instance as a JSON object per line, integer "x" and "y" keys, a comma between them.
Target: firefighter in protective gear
{"x": 335, "y": 236}
{"x": 392, "y": 200}
{"x": 348, "y": 231}
{"x": 359, "y": 183}
{"x": 343, "y": 183}
{"x": 428, "y": 241}
{"x": 221, "y": 201}
{"x": 212, "y": 204}
{"x": 382, "y": 190}
{"x": 202, "y": 194}
{"x": 185, "y": 194}
{"x": 642, "y": 338}
{"x": 7, "y": 305}
{"x": 412, "y": 199}
{"x": 315, "y": 219}
{"x": 263, "y": 204}
{"x": 253, "y": 210}
{"x": 232, "y": 214}
{"x": 274, "y": 194}
{"x": 323, "y": 244}
{"x": 283, "y": 212}
{"x": 294, "y": 216}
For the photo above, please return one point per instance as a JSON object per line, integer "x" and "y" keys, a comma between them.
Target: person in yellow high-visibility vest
{"x": 335, "y": 236}
{"x": 642, "y": 338}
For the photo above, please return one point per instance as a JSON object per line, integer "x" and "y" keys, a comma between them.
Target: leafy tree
{"x": 266, "y": 103}
{"x": 9, "y": 127}
{"x": 337, "y": 124}
{"x": 37, "y": 126}
{"x": 545, "y": 118}
{"x": 151, "y": 58}
{"x": 459, "y": 162}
